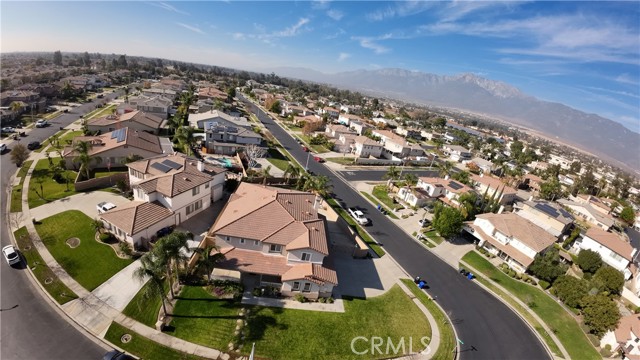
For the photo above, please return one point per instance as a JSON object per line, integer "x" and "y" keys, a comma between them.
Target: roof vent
{"x": 186, "y": 179}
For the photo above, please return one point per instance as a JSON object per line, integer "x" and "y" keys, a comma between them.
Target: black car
{"x": 33, "y": 145}
{"x": 117, "y": 355}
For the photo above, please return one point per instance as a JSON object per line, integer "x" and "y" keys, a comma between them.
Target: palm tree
{"x": 153, "y": 270}
{"x": 266, "y": 173}
{"x": 410, "y": 179}
{"x": 392, "y": 173}
{"x": 169, "y": 251}
{"x": 185, "y": 138}
{"x": 83, "y": 148}
{"x": 318, "y": 185}
{"x": 126, "y": 94}
{"x": 207, "y": 260}
{"x": 16, "y": 107}
{"x": 291, "y": 172}
{"x": 445, "y": 168}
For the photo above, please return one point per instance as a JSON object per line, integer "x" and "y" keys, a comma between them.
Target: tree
{"x": 122, "y": 61}
{"x": 57, "y": 58}
{"x": 266, "y": 173}
{"x": 447, "y": 221}
{"x": 151, "y": 269}
{"x": 469, "y": 205}
{"x": 291, "y": 172}
{"x": 168, "y": 250}
{"x": 589, "y": 261}
{"x": 547, "y": 266}
{"x": 67, "y": 91}
{"x": 444, "y": 168}
{"x": 628, "y": 215}
{"x": 208, "y": 257}
{"x": 411, "y": 179}
{"x": 254, "y": 152}
{"x": 275, "y": 107}
{"x": 83, "y": 148}
{"x": 570, "y": 290}
{"x": 575, "y": 167}
{"x": 317, "y": 184}
{"x": 184, "y": 136}
{"x": 609, "y": 279}
{"x": 462, "y": 176}
{"x": 86, "y": 59}
{"x": 550, "y": 189}
{"x": 19, "y": 154}
{"x": 440, "y": 122}
{"x": 601, "y": 314}
{"x": 16, "y": 107}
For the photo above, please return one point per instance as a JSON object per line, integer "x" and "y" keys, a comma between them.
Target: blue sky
{"x": 583, "y": 54}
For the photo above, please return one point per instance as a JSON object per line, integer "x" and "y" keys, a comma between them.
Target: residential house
{"x": 548, "y": 215}
{"x": 135, "y": 120}
{"x": 429, "y": 189}
{"x": 431, "y": 136}
{"x": 228, "y": 140}
{"x": 212, "y": 93}
{"x": 456, "y": 152}
{"x": 485, "y": 166}
{"x": 513, "y": 238}
{"x": 113, "y": 148}
{"x": 489, "y": 185}
{"x": 360, "y": 126}
{"x": 365, "y": 147}
{"x": 409, "y": 132}
{"x": 164, "y": 92}
{"x": 274, "y": 237}
{"x": 625, "y": 338}
{"x": 351, "y": 109}
{"x": 347, "y": 119}
{"x": 315, "y": 120}
{"x": 217, "y": 118}
{"x": 589, "y": 213}
{"x": 564, "y": 162}
{"x": 335, "y": 130}
{"x": 613, "y": 249}
{"x": 332, "y": 113}
{"x": 395, "y": 147}
{"x": 156, "y": 105}
{"x": 532, "y": 182}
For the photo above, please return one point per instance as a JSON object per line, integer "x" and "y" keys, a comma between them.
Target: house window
{"x": 275, "y": 248}
{"x": 256, "y": 242}
{"x": 307, "y": 287}
{"x": 241, "y": 241}
{"x": 206, "y": 186}
{"x": 226, "y": 238}
{"x": 306, "y": 256}
{"x": 195, "y": 191}
{"x": 296, "y": 286}
{"x": 616, "y": 257}
{"x": 194, "y": 207}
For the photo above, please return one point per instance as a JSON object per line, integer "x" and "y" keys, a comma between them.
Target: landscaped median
{"x": 563, "y": 325}
{"x": 16, "y": 191}
{"x": 89, "y": 262}
{"x": 363, "y": 234}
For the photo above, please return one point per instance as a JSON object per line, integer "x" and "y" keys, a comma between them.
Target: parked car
{"x": 3, "y": 148}
{"x": 358, "y": 216}
{"x": 424, "y": 222}
{"x": 100, "y": 96}
{"x": 165, "y": 231}
{"x": 305, "y": 149}
{"x": 104, "y": 207}
{"x": 117, "y": 355}
{"x": 8, "y": 129}
{"x": 318, "y": 159}
{"x": 42, "y": 123}
{"x": 10, "y": 255}
{"x": 33, "y": 145}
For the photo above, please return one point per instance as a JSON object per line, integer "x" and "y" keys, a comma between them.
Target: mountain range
{"x": 595, "y": 134}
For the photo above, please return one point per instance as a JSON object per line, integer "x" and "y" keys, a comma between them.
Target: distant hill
{"x": 593, "y": 133}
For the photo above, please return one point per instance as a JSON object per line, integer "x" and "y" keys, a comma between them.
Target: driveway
{"x": 85, "y": 202}
{"x": 120, "y": 288}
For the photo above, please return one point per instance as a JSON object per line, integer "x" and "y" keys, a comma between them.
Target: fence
{"x": 365, "y": 161}
{"x": 98, "y": 183}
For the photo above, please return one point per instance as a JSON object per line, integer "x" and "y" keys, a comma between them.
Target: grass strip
{"x": 363, "y": 234}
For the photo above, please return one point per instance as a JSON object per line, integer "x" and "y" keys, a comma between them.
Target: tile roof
{"x": 366, "y": 141}
{"x": 273, "y": 215}
{"x": 450, "y": 185}
{"x": 611, "y": 241}
{"x": 174, "y": 181}
{"x": 606, "y": 219}
{"x": 137, "y": 216}
{"x": 133, "y": 138}
{"x": 550, "y": 209}
{"x": 125, "y": 119}
{"x": 627, "y": 325}
{"x": 493, "y": 183}
{"x": 509, "y": 250}
{"x": 517, "y": 227}
{"x": 311, "y": 272}
{"x": 253, "y": 262}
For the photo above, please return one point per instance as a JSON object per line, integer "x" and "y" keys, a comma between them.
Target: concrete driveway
{"x": 120, "y": 288}
{"x": 85, "y": 202}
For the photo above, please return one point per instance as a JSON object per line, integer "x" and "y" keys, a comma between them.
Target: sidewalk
{"x": 435, "y": 330}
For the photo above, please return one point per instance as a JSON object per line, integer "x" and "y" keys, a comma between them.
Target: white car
{"x": 10, "y": 255}
{"x": 41, "y": 123}
{"x": 104, "y": 207}
{"x": 358, "y": 216}
{"x": 3, "y": 148}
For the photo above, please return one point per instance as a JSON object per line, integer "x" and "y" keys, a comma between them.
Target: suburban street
{"x": 378, "y": 175}
{"x": 30, "y": 326}
{"x": 486, "y": 327}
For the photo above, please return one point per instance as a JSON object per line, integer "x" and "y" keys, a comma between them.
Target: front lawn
{"x": 90, "y": 263}
{"x": 16, "y": 191}
{"x": 434, "y": 236}
{"x": 559, "y": 320}
{"x": 447, "y": 337}
{"x": 50, "y": 190}
{"x": 365, "y": 237}
{"x": 145, "y": 310}
{"x": 298, "y": 334}
{"x": 277, "y": 159}
{"x": 105, "y": 172}
{"x": 342, "y": 160}
{"x": 104, "y": 111}
{"x": 142, "y": 347}
{"x": 375, "y": 201}
{"x": 65, "y": 139}
{"x": 46, "y": 277}
{"x": 382, "y": 194}
{"x": 314, "y": 148}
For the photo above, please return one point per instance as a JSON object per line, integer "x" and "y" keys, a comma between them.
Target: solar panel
{"x": 114, "y": 134}
{"x": 454, "y": 185}
{"x": 547, "y": 209}
{"x": 160, "y": 166}
{"x": 122, "y": 135}
{"x": 172, "y": 164}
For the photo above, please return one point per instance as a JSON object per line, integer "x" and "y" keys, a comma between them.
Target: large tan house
{"x": 274, "y": 237}
{"x": 136, "y": 120}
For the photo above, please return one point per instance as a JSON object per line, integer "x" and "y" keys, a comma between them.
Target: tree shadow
{"x": 259, "y": 323}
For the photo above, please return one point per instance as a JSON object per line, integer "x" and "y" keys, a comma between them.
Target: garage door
{"x": 217, "y": 192}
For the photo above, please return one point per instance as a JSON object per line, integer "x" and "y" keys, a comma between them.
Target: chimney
{"x": 446, "y": 177}
{"x": 201, "y": 166}
{"x": 482, "y": 174}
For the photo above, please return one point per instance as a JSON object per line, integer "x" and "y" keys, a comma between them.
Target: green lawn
{"x": 201, "y": 318}
{"x": 51, "y": 190}
{"x": 143, "y": 347}
{"x": 292, "y": 126}
{"x": 16, "y": 191}
{"x": 104, "y": 111}
{"x": 277, "y": 159}
{"x": 434, "y": 236}
{"x": 381, "y": 193}
{"x": 342, "y": 160}
{"x": 314, "y": 148}
{"x": 91, "y": 263}
{"x": 365, "y": 237}
{"x": 447, "y": 337}
{"x": 144, "y": 310}
{"x": 559, "y": 320}
{"x": 58, "y": 290}
{"x": 105, "y": 172}
{"x": 64, "y": 140}
{"x": 375, "y": 201}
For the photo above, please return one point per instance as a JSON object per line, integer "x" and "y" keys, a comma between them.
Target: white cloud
{"x": 616, "y": 92}
{"x": 169, "y": 7}
{"x": 335, "y": 14}
{"x": 370, "y": 43}
{"x": 400, "y": 9}
{"x": 626, "y": 79}
{"x": 292, "y": 30}
{"x": 320, "y": 4}
{"x": 192, "y": 28}
{"x": 343, "y": 56}
{"x": 336, "y": 34}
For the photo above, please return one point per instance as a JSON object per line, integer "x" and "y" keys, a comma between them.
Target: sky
{"x": 583, "y": 54}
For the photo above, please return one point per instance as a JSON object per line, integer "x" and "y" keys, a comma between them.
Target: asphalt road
{"x": 487, "y": 327}
{"x": 30, "y": 327}
{"x": 378, "y": 175}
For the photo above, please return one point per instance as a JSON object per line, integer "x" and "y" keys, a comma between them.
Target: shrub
{"x": 330, "y": 300}
{"x": 525, "y": 277}
{"x": 544, "y": 284}
{"x": 300, "y": 298}
{"x": 105, "y": 237}
{"x": 506, "y": 270}
{"x": 533, "y": 281}
{"x": 589, "y": 261}
{"x": 637, "y": 310}
{"x": 256, "y": 292}
{"x": 414, "y": 233}
{"x": 125, "y": 248}
{"x": 512, "y": 273}
{"x": 595, "y": 341}
{"x": 322, "y": 300}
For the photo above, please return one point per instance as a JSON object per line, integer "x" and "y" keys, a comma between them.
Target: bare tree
{"x": 253, "y": 153}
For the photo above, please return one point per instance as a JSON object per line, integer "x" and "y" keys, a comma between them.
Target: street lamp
{"x": 306, "y": 167}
